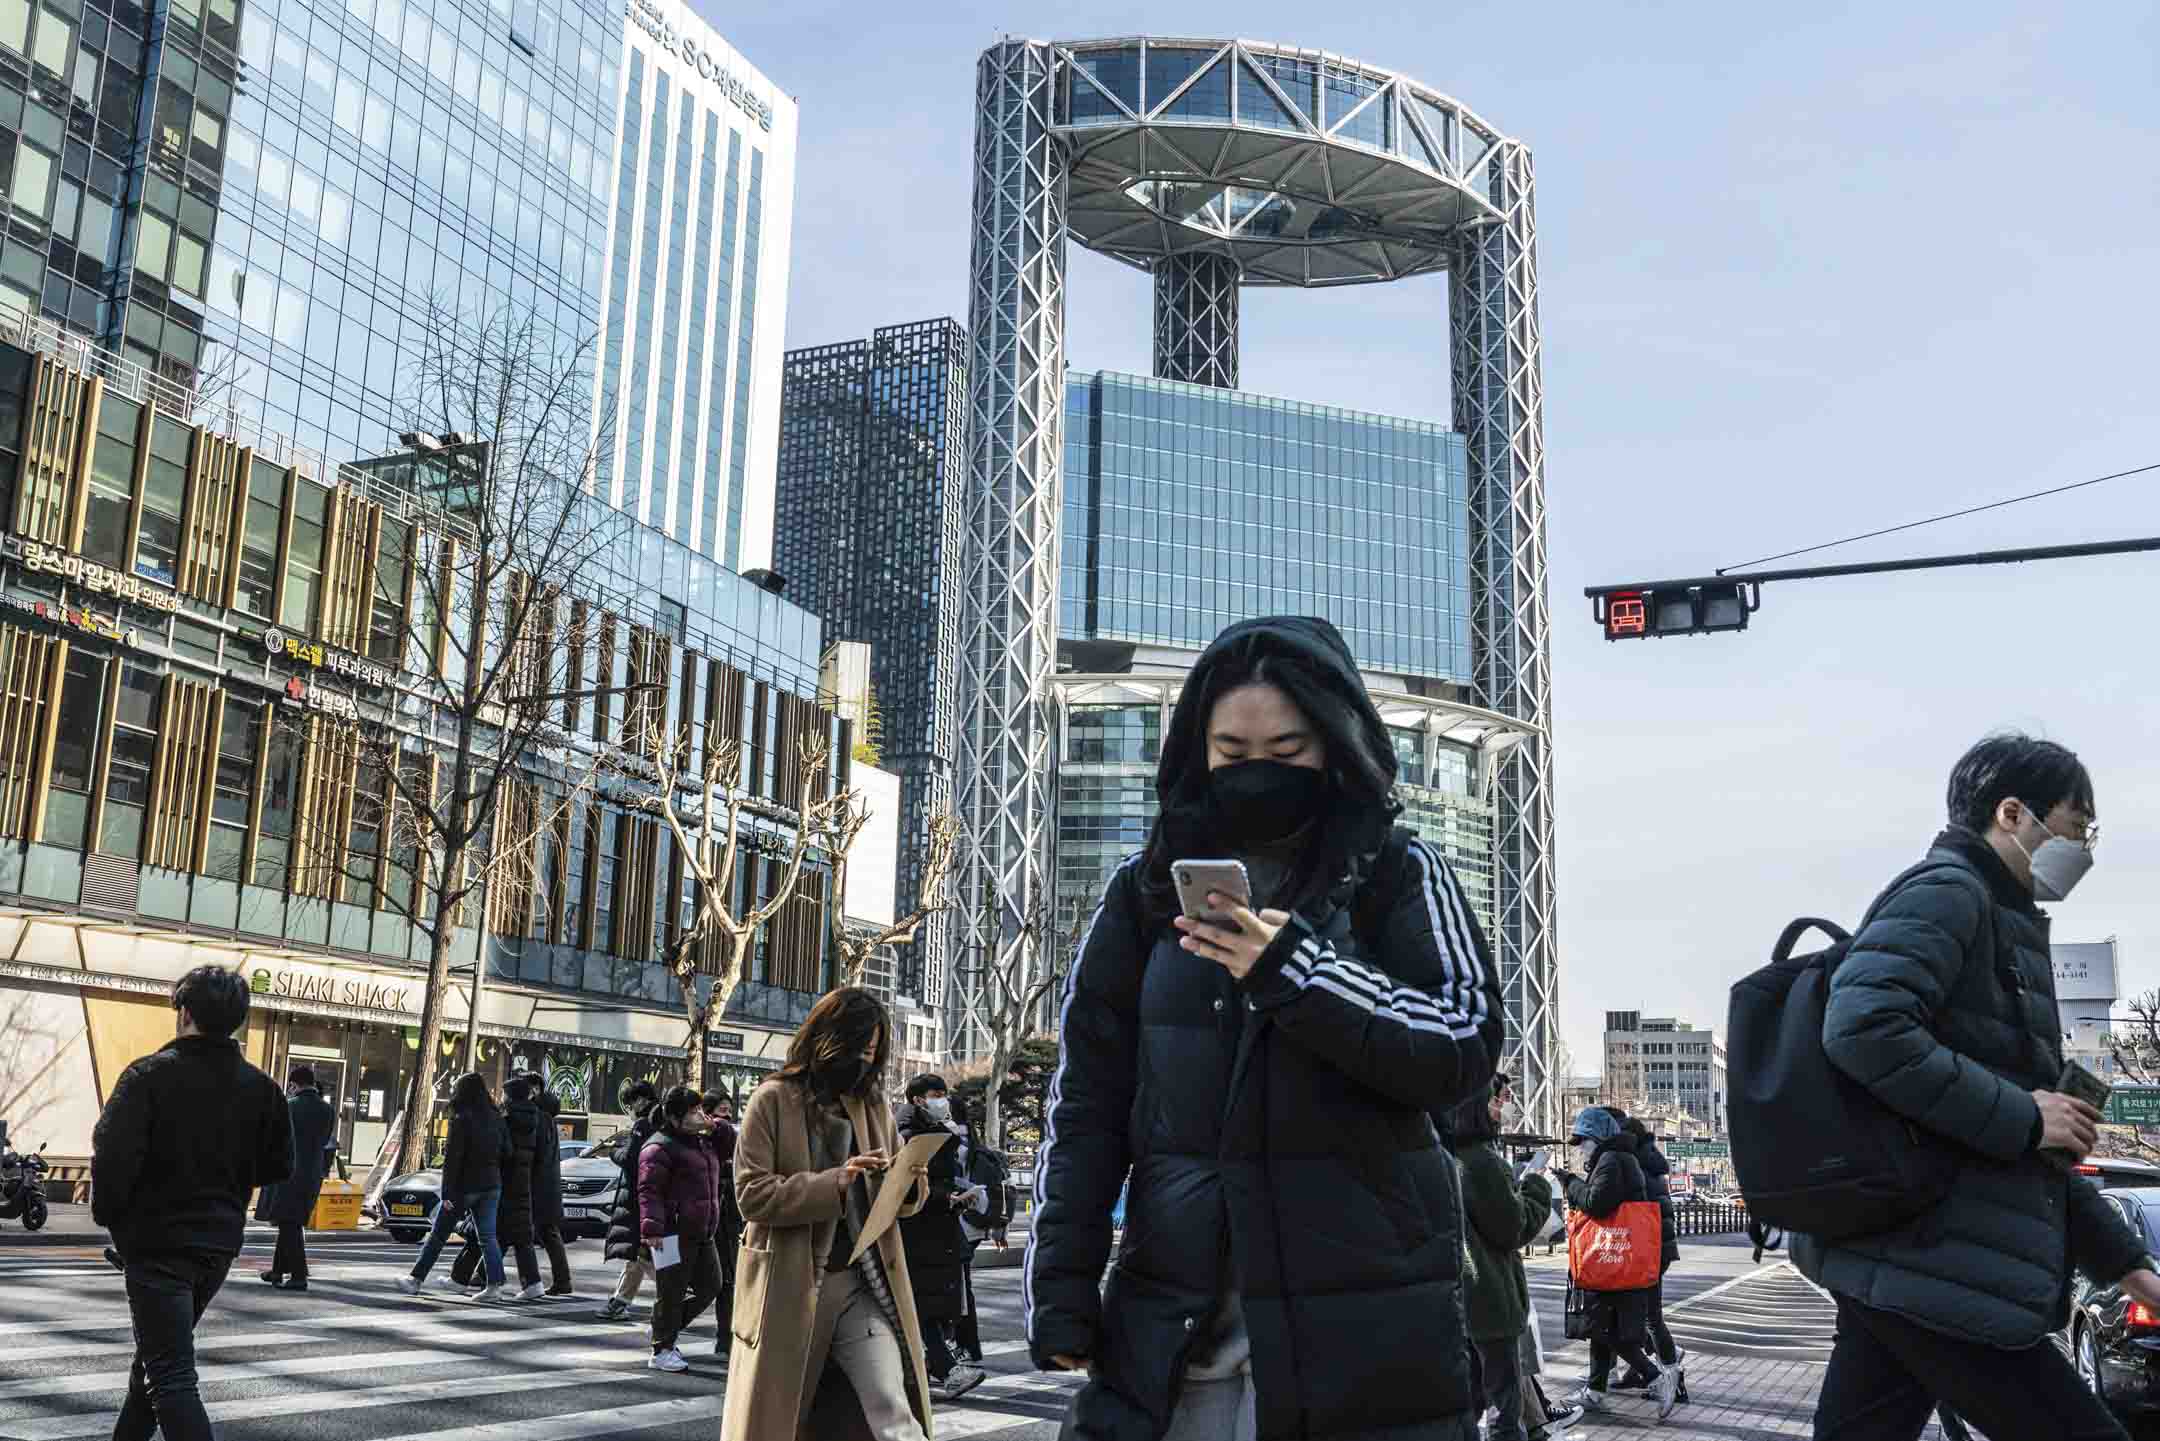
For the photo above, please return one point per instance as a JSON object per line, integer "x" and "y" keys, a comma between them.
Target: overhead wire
{"x": 1933, "y": 519}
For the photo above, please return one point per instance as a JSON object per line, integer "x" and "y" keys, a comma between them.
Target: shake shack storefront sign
{"x": 354, "y": 991}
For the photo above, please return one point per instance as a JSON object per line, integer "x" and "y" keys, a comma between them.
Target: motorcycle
{"x": 22, "y": 1187}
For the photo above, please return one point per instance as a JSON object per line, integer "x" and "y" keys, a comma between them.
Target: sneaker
{"x": 961, "y": 1380}
{"x": 533, "y": 1292}
{"x": 452, "y": 1283}
{"x": 1667, "y": 1390}
{"x": 410, "y": 1285}
{"x": 491, "y": 1294}
{"x": 1559, "y": 1418}
{"x": 668, "y": 1360}
{"x": 1633, "y": 1381}
{"x": 615, "y": 1309}
{"x": 560, "y": 1291}
{"x": 272, "y": 1278}
{"x": 1587, "y": 1399}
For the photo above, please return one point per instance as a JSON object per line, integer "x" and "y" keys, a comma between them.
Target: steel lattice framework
{"x": 1196, "y": 318}
{"x": 1016, "y": 398}
{"x": 1214, "y": 164}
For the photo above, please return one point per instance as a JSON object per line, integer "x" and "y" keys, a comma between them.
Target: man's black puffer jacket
{"x": 1657, "y": 1177}
{"x": 1279, "y": 1140}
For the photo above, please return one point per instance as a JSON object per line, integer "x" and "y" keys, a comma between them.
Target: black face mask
{"x": 1266, "y": 800}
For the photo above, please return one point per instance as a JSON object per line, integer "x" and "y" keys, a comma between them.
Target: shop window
{"x": 304, "y": 561}
{"x": 239, "y": 743}
{"x": 82, "y": 711}
{"x": 259, "y": 541}
{"x": 134, "y": 752}
{"x": 280, "y": 799}
{"x": 157, "y": 544}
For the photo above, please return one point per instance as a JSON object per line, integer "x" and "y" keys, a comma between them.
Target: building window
{"x": 112, "y": 483}
{"x": 386, "y": 623}
{"x": 157, "y": 545}
{"x": 259, "y": 541}
{"x": 239, "y": 743}
{"x": 134, "y": 752}
{"x": 280, "y": 797}
{"x": 304, "y": 560}
{"x": 82, "y": 707}
{"x": 365, "y": 841}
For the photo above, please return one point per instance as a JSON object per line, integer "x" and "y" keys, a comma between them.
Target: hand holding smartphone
{"x": 1196, "y": 880}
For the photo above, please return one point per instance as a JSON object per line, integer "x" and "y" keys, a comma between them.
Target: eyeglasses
{"x": 2087, "y": 835}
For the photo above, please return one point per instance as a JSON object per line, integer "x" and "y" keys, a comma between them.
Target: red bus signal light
{"x": 1626, "y": 614}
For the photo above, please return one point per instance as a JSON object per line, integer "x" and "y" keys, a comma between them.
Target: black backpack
{"x": 1814, "y": 1151}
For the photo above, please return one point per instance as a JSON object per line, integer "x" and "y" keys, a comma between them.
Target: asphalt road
{"x": 357, "y": 1361}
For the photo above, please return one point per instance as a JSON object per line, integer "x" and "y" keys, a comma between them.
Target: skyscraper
{"x": 702, "y": 194}
{"x": 873, "y": 439}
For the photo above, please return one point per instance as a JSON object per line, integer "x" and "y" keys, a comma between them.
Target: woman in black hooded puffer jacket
{"x": 1292, "y": 1256}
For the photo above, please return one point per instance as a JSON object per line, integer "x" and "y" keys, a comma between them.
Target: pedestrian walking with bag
{"x": 515, "y": 1226}
{"x": 1266, "y": 1069}
{"x": 289, "y": 1204}
{"x": 187, "y": 1132}
{"x": 816, "y": 1138}
{"x": 678, "y": 1218}
{"x": 983, "y": 1218}
{"x": 472, "y": 1184}
{"x": 936, "y": 1244}
{"x": 547, "y": 1194}
{"x": 1615, "y": 1244}
{"x": 641, "y": 1102}
{"x": 1657, "y": 1174}
{"x": 1502, "y": 1215}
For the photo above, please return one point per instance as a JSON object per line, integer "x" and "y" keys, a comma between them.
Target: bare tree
{"x": 705, "y": 816}
{"x": 431, "y": 802}
{"x": 856, "y": 950}
{"x": 1015, "y": 995}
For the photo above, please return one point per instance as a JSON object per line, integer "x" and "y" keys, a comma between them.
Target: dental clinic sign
{"x": 710, "y": 67}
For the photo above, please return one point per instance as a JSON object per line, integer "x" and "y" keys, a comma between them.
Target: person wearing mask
{"x": 515, "y": 1224}
{"x": 474, "y": 1161}
{"x": 187, "y": 1132}
{"x": 1611, "y": 1177}
{"x": 815, "y": 1139}
{"x": 547, "y": 1194}
{"x": 1501, "y": 1214}
{"x": 721, "y": 1138}
{"x": 937, "y": 1248}
{"x": 1944, "y": 1010}
{"x": 288, "y": 1204}
{"x": 1292, "y": 1257}
{"x": 679, "y": 1201}
{"x": 641, "y": 1102}
{"x": 1657, "y": 1175}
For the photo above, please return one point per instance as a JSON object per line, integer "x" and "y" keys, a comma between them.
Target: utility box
{"x": 337, "y": 1208}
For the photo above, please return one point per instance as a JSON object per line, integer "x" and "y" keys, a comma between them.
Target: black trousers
{"x": 1661, "y": 1334}
{"x": 1887, "y": 1376}
{"x": 472, "y": 1253}
{"x": 290, "y": 1258}
{"x": 686, "y": 1289}
{"x": 1500, "y": 1373}
{"x": 167, "y": 1292}
{"x": 967, "y": 1334}
{"x": 558, "y": 1258}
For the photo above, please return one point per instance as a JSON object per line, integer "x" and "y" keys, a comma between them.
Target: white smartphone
{"x": 1196, "y": 879}
{"x": 1534, "y": 1165}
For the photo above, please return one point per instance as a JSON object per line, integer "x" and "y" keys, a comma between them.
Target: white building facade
{"x": 1665, "y": 1067}
{"x": 695, "y": 287}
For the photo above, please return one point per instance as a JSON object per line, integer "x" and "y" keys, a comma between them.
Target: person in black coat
{"x": 547, "y": 1194}
{"x": 1292, "y": 1261}
{"x": 472, "y": 1183}
{"x": 625, "y": 1243}
{"x": 1657, "y": 1175}
{"x": 1619, "y": 1320}
{"x": 288, "y": 1204}
{"x": 187, "y": 1132}
{"x": 515, "y": 1226}
{"x": 937, "y": 1248}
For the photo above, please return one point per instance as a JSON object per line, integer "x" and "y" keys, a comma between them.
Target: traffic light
{"x": 1675, "y": 610}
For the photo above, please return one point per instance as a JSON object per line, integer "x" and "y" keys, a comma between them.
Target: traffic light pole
{"x": 1723, "y": 601}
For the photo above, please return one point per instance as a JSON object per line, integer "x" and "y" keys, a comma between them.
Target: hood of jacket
{"x": 1624, "y": 1143}
{"x": 1653, "y": 1159}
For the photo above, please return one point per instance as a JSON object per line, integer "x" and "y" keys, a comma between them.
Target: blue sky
{"x": 1804, "y": 271}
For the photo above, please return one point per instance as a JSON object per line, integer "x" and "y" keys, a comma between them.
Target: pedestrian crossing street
{"x": 357, "y": 1361}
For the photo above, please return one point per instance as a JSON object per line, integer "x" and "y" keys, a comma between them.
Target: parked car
{"x": 2115, "y": 1341}
{"x": 588, "y": 1187}
{"x": 2112, "y": 1172}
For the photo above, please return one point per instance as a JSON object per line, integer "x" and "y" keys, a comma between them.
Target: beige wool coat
{"x": 790, "y": 1212}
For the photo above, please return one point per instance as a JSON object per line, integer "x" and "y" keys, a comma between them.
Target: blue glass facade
{"x": 1188, "y": 507}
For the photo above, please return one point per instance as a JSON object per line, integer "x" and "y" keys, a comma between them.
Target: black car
{"x": 2114, "y": 1340}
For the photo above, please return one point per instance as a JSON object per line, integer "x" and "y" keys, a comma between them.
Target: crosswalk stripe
{"x": 99, "y": 1423}
{"x": 607, "y": 1421}
{"x": 92, "y": 1384}
{"x": 203, "y": 1340}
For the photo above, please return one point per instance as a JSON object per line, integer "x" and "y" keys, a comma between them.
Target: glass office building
{"x": 1188, "y": 506}
{"x": 700, "y": 202}
{"x": 257, "y": 199}
{"x": 873, "y": 446}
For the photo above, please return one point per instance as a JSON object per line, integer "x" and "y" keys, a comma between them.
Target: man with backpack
{"x": 1943, "y": 1012}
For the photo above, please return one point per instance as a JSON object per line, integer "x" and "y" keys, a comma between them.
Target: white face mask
{"x": 940, "y": 1109}
{"x": 2058, "y": 864}
{"x": 1584, "y": 1150}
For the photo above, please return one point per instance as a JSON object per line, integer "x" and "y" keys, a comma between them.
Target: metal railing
{"x": 1716, "y": 1219}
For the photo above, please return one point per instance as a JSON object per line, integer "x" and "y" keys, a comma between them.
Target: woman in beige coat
{"x": 814, "y": 1139}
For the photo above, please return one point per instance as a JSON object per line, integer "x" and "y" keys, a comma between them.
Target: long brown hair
{"x": 841, "y": 1026}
